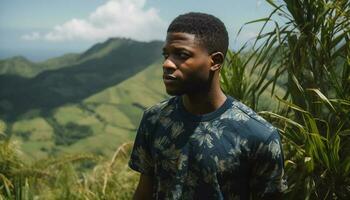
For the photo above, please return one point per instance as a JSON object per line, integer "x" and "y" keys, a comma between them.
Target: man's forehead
{"x": 182, "y": 38}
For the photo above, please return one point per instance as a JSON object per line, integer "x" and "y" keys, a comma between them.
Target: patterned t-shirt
{"x": 231, "y": 153}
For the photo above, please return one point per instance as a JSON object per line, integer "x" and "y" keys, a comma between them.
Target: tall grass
{"x": 308, "y": 50}
{"x": 234, "y": 72}
{"x": 316, "y": 165}
{"x": 61, "y": 178}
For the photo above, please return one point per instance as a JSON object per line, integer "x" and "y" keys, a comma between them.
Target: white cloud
{"x": 31, "y": 36}
{"x": 115, "y": 18}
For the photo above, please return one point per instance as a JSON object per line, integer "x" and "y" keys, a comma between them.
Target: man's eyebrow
{"x": 177, "y": 48}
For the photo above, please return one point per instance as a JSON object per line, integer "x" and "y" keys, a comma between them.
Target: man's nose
{"x": 169, "y": 65}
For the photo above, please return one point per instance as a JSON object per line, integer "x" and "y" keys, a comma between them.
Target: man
{"x": 202, "y": 144}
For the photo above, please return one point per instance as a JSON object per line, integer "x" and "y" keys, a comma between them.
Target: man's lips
{"x": 169, "y": 77}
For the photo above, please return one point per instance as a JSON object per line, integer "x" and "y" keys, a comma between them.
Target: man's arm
{"x": 144, "y": 189}
{"x": 141, "y": 160}
{"x": 267, "y": 175}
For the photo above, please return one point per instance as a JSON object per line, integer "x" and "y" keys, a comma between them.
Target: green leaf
{"x": 322, "y": 97}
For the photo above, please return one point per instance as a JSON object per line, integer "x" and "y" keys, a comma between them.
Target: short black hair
{"x": 210, "y": 30}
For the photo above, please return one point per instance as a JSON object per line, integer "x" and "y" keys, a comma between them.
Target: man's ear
{"x": 217, "y": 59}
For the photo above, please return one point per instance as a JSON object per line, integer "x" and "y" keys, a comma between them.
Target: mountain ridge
{"x": 21, "y": 66}
{"x": 101, "y": 66}
{"x": 87, "y": 102}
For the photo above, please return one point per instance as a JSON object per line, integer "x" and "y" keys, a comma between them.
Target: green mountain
{"x": 102, "y": 66}
{"x": 89, "y": 102}
{"x": 21, "y": 66}
{"x": 18, "y": 66}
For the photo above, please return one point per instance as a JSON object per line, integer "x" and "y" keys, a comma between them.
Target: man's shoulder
{"x": 161, "y": 108}
{"x": 251, "y": 122}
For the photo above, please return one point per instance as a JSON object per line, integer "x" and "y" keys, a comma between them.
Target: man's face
{"x": 186, "y": 64}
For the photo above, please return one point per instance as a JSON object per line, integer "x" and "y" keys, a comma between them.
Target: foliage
{"x": 318, "y": 163}
{"x": 59, "y": 178}
{"x": 309, "y": 49}
{"x": 233, "y": 72}
{"x": 240, "y": 81}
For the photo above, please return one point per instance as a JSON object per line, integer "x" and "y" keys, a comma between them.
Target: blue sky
{"x": 40, "y": 29}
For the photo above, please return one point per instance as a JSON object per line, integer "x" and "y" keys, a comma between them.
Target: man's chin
{"x": 174, "y": 92}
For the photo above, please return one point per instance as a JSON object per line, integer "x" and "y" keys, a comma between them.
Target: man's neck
{"x": 202, "y": 103}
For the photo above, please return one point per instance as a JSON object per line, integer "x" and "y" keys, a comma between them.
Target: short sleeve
{"x": 141, "y": 159}
{"x": 267, "y": 174}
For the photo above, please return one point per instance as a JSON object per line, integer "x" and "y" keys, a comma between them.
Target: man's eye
{"x": 183, "y": 55}
{"x": 165, "y": 55}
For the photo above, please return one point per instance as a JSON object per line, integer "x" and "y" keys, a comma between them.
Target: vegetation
{"x": 72, "y": 133}
{"x": 308, "y": 52}
{"x": 62, "y": 178}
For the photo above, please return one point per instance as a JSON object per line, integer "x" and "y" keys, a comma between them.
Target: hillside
{"x": 97, "y": 124}
{"x": 18, "y": 65}
{"x": 100, "y": 67}
{"x": 89, "y": 102}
